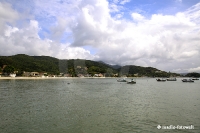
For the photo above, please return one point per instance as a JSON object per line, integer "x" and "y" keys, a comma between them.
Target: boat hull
{"x": 187, "y": 80}
{"x": 121, "y": 80}
{"x": 131, "y": 82}
{"x": 171, "y": 79}
{"x": 195, "y": 79}
{"x": 161, "y": 80}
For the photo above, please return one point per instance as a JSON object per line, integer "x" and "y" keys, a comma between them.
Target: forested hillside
{"x": 74, "y": 67}
{"x": 52, "y": 65}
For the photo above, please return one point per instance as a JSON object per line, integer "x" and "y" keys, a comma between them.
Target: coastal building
{"x": 34, "y": 74}
{"x": 115, "y": 75}
{"x": 43, "y": 74}
{"x": 12, "y": 75}
{"x": 98, "y": 75}
{"x": 26, "y": 74}
{"x": 88, "y": 75}
{"x": 101, "y": 75}
{"x": 61, "y": 75}
{"x": 80, "y": 75}
{"x": 31, "y": 74}
{"x": 67, "y": 75}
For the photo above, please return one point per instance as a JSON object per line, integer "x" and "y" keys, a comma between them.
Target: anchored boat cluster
{"x": 174, "y": 79}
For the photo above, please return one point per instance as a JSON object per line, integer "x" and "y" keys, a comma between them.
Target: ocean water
{"x": 98, "y": 106}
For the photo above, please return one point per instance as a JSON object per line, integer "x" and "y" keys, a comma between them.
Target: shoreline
{"x": 35, "y": 78}
{"x": 2, "y": 78}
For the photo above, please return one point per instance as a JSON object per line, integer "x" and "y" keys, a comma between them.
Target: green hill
{"x": 27, "y": 63}
{"x": 74, "y": 67}
{"x": 194, "y": 74}
{"x": 52, "y": 65}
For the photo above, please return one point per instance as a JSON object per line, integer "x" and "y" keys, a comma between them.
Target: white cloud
{"x": 9, "y": 30}
{"x": 124, "y": 1}
{"x": 197, "y": 69}
{"x": 168, "y": 42}
{"x": 121, "y": 1}
{"x": 7, "y": 13}
{"x": 27, "y": 41}
{"x": 114, "y": 8}
{"x": 137, "y": 16}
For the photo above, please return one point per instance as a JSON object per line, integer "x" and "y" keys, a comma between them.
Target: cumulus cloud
{"x": 162, "y": 39}
{"x": 137, "y": 16}
{"x": 168, "y": 42}
{"x": 27, "y": 41}
{"x": 197, "y": 69}
{"x": 7, "y": 15}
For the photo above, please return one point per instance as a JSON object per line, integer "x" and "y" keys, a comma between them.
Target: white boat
{"x": 131, "y": 82}
{"x": 161, "y": 80}
{"x": 187, "y": 80}
{"x": 171, "y": 79}
{"x": 121, "y": 80}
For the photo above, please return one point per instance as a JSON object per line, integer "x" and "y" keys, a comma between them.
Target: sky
{"x": 150, "y": 33}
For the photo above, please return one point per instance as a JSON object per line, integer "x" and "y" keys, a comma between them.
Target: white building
{"x": 12, "y": 75}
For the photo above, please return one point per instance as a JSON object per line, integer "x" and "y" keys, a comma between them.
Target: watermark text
{"x": 175, "y": 127}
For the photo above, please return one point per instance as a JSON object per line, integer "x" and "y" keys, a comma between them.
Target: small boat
{"x": 171, "y": 79}
{"x": 131, "y": 82}
{"x": 161, "y": 80}
{"x": 187, "y": 80}
{"x": 195, "y": 79}
{"x": 121, "y": 80}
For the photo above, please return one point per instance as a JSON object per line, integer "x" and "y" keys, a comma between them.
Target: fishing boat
{"x": 171, "y": 79}
{"x": 121, "y": 80}
{"x": 162, "y": 80}
{"x": 131, "y": 82}
{"x": 187, "y": 80}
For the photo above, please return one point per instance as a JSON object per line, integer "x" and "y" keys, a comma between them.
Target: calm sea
{"x": 98, "y": 106}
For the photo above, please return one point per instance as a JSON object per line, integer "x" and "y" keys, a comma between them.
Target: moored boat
{"x": 171, "y": 79}
{"x": 161, "y": 80}
{"x": 131, "y": 82}
{"x": 187, "y": 80}
{"x": 195, "y": 79}
{"x": 121, "y": 80}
